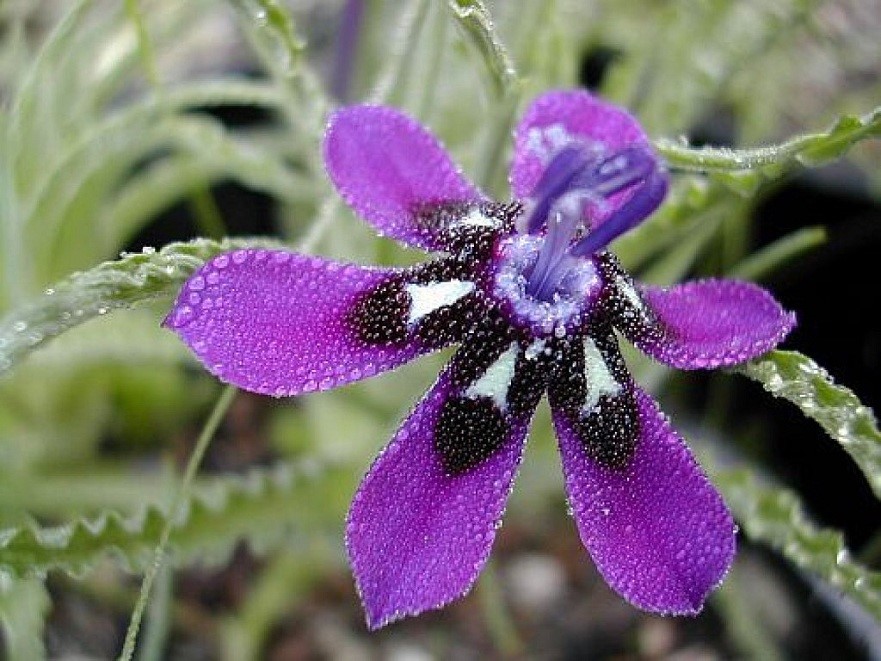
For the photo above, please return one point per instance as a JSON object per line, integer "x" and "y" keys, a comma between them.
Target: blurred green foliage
{"x": 104, "y": 125}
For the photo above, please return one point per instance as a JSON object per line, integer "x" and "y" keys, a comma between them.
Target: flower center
{"x": 551, "y": 304}
{"x": 549, "y": 277}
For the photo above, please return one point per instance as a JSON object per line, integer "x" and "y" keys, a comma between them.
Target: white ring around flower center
{"x": 572, "y": 298}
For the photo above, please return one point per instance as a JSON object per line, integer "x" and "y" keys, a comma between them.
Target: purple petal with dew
{"x": 557, "y": 119}
{"x": 657, "y": 530}
{"x": 387, "y": 167}
{"x": 418, "y": 536}
{"x": 709, "y": 323}
{"x": 278, "y": 323}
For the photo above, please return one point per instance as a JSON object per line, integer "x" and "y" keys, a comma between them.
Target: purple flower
{"x": 529, "y": 292}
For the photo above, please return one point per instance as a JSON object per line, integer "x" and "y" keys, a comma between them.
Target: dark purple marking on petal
{"x": 418, "y": 535}
{"x": 609, "y": 430}
{"x": 468, "y": 432}
{"x": 657, "y": 529}
{"x": 696, "y": 325}
{"x": 466, "y": 229}
{"x": 496, "y": 383}
{"x": 380, "y": 316}
{"x": 483, "y": 346}
{"x": 389, "y": 168}
{"x": 277, "y": 323}
{"x": 559, "y": 118}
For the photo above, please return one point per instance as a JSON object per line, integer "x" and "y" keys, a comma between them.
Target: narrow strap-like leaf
{"x": 837, "y": 409}
{"x": 810, "y": 150}
{"x": 476, "y": 23}
{"x": 776, "y": 517}
{"x": 267, "y": 507}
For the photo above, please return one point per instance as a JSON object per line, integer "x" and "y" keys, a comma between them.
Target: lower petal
{"x": 418, "y": 534}
{"x": 657, "y": 530}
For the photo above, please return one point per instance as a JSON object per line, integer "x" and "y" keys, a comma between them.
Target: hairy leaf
{"x": 476, "y": 24}
{"x": 109, "y": 286}
{"x": 776, "y": 517}
{"x": 837, "y": 409}
{"x": 809, "y": 150}
{"x": 268, "y": 508}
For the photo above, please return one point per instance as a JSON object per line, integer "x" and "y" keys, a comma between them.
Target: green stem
{"x": 498, "y": 618}
{"x": 204, "y": 208}
{"x": 158, "y": 617}
{"x": 180, "y": 498}
{"x": 145, "y": 48}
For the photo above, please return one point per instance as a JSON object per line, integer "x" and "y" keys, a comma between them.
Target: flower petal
{"x": 389, "y": 169}
{"x": 657, "y": 530}
{"x": 424, "y": 519}
{"x": 558, "y": 118}
{"x": 702, "y": 324}
{"x": 282, "y": 323}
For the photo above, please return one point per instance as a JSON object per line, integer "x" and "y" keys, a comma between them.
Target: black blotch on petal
{"x": 637, "y": 325}
{"x": 610, "y": 432}
{"x": 569, "y": 389}
{"x": 466, "y": 242}
{"x": 468, "y": 432}
{"x": 380, "y": 317}
{"x": 531, "y": 376}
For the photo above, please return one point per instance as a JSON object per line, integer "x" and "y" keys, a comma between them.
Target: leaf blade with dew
{"x": 476, "y": 24}
{"x": 799, "y": 380}
{"x": 776, "y": 517}
{"x": 114, "y": 285}
{"x": 773, "y": 161}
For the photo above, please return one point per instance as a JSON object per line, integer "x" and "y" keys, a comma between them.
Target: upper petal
{"x": 656, "y": 528}
{"x": 389, "y": 168}
{"x": 282, "y": 323}
{"x": 423, "y": 520}
{"x": 558, "y": 118}
{"x": 701, "y": 324}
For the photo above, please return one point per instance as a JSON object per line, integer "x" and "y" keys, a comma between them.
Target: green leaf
{"x": 776, "y": 517}
{"x": 123, "y": 283}
{"x": 678, "y": 63}
{"x": 269, "y": 508}
{"x": 273, "y": 34}
{"x": 785, "y": 249}
{"x": 799, "y": 380}
{"x": 774, "y": 160}
{"x": 24, "y": 605}
{"x": 476, "y": 24}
